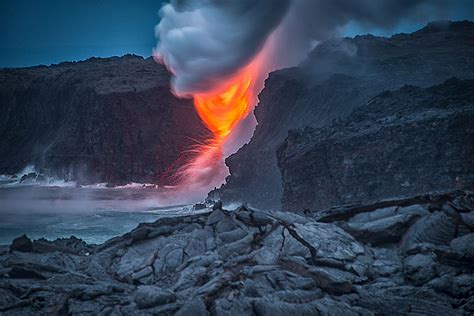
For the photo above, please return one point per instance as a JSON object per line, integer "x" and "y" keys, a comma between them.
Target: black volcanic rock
{"x": 403, "y": 142}
{"x": 101, "y": 120}
{"x": 338, "y": 76}
{"x": 29, "y": 177}
{"x": 254, "y": 262}
{"x": 22, "y": 243}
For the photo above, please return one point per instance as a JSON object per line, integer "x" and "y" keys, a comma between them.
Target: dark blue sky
{"x": 36, "y": 32}
{"x": 50, "y": 31}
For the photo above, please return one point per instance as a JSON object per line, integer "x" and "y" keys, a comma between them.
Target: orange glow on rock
{"x": 222, "y": 109}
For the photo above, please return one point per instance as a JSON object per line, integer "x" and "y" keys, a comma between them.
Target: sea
{"x": 93, "y": 213}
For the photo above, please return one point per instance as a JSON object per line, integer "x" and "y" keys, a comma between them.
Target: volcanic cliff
{"x": 108, "y": 120}
{"x": 404, "y": 142}
{"x": 338, "y": 76}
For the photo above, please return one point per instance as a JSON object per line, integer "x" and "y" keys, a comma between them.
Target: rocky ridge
{"x": 338, "y": 76}
{"x": 402, "y": 142}
{"x": 399, "y": 256}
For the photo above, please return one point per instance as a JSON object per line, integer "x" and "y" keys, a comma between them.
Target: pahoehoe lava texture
{"x": 101, "y": 120}
{"x": 253, "y": 262}
{"x": 338, "y": 76}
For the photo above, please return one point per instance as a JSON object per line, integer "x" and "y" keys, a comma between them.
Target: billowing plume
{"x": 204, "y": 41}
{"x": 220, "y": 51}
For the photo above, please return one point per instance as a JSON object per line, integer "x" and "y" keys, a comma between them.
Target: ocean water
{"x": 94, "y": 214}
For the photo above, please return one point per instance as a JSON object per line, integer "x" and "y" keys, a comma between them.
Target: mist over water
{"x": 92, "y": 214}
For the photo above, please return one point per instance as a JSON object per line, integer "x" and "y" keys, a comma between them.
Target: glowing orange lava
{"x": 222, "y": 109}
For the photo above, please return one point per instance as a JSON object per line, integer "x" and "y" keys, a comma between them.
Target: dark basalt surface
{"x": 338, "y": 76}
{"x": 101, "y": 120}
{"x": 403, "y": 142}
{"x": 400, "y": 256}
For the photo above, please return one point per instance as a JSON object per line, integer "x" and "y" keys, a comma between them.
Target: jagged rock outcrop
{"x": 253, "y": 262}
{"x": 338, "y": 76}
{"x": 108, "y": 120}
{"x": 404, "y": 142}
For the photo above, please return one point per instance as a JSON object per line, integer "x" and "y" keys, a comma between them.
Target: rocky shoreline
{"x": 410, "y": 255}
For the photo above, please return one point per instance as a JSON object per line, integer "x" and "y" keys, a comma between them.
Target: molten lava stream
{"x": 221, "y": 111}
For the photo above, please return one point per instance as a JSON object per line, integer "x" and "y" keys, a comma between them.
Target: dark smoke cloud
{"x": 203, "y": 41}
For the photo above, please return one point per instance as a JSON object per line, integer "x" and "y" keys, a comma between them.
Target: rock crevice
{"x": 272, "y": 262}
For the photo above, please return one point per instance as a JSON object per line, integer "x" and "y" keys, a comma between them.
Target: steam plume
{"x": 204, "y": 41}
{"x": 220, "y": 51}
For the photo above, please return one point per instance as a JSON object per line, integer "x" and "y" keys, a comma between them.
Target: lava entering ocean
{"x": 221, "y": 110}
{"x": 214, "y": 51}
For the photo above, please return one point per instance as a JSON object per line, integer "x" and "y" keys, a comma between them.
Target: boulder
{"x": 272, "y": 308}
{"x": 173, "y": 259}
{"x": 383, "y": 230}
{"x": 388, "y": 212}
{"x": 230, "y": 307}
{"x": 195, "y": 307}
{"x": 199, "y": 206}
{"x": 468, "y": 219}
{"x": 216, "y": 216}
{"x": 386, "y": 262}
{"x": 464, "y": 244}
{"x": 142, "y": 273}
{"x": 147, "y": 296}
{"x": 419, "y": 268}
{"x": 30, "y": 177}
{"x": 436, "y": 228}
{"x": 22, "y": 244}
{"x": 327, "y": 241}
{"x": 463, "y": 285}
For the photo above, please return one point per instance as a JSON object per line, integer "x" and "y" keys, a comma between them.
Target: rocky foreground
{"x": 398, "y": 256}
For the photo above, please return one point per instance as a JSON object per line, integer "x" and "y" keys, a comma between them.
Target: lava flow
{"x": 221, "y": 110}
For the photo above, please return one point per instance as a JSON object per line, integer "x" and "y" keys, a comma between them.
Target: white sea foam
{"x": 136, "y": 185}
{"x": 15, "y": 180}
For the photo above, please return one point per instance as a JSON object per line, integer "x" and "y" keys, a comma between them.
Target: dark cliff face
{"x": 101, "y": 120}
{"x": 405, "y": 142}
{"x": 338, "y": 76}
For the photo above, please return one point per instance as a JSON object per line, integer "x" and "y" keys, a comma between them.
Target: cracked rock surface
{"x": 254, "y": 262}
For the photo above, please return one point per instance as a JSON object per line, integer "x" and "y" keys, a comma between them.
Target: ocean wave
{"x": 30, "y": 176}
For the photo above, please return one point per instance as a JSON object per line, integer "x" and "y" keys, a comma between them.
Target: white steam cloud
{"x": 204, "y": 41}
